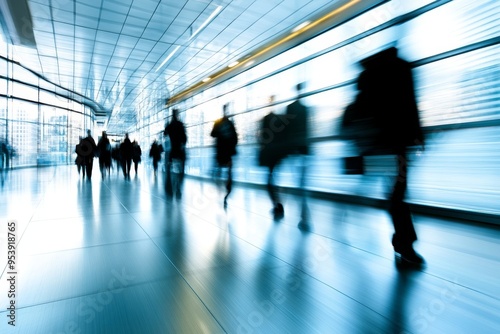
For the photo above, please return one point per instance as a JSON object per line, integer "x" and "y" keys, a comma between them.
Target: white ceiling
{"x": 111, "y": 51}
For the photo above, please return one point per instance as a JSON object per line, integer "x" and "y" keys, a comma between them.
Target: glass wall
{"x": 453, "y": 46}
{"x": 40, "y": 126}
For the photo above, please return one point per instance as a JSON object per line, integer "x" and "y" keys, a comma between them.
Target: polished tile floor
{"x": 116, "y": 256}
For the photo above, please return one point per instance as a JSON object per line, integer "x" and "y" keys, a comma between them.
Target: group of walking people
{"x": 126, "y": 154}
{"x": 382, "y": 119}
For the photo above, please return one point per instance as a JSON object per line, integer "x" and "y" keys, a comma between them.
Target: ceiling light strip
{"x": 298, "y": 31}
{"x": 168, "y": 57}
{"x": 207, "y": 21}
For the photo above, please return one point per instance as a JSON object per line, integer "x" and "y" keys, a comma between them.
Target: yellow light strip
{"x": 286, "y": 39}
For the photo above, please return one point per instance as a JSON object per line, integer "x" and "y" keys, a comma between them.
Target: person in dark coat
{"x": 4, "y": 160}
{"x": 297, "y": 139}
{"x": 104, "y": 149}
{"x": 386, "y": 87}
{"x": 115, "y": 155}
{"x": 226, "y": 139}
{"x": 80, "y": 161}
{"x": 297, "y": 131}
{"x": 126, "y": 153}
{"x": 176, "y": 132}
{"x": 272, "y": 150}
{"x": 87, "y": 149}
{"x": 136, "y": 155}
{"x": 155, "y": 153}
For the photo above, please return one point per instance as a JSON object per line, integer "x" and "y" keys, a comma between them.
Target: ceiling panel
{"x": 114, "y": 51}
{"x": 85, "y": 9}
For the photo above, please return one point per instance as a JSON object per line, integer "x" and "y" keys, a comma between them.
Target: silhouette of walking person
{"x": 386, "y": 89}
{"x": 297, "y": 138}
{"x": 272, "y": 150}
{"x": 155, "y": 153}
{"x": 126, "y": 153}
{"x": 87, "y": 149}
{"x": 104, "y": 149}
{"x": 4, "y": 158}
{"x": 80, "y": 160}
{"x": 226, "y": 138}
{"x": 176, "y": 132}
{"x": 115, "y": 155}
{"x": 136, "y": 155}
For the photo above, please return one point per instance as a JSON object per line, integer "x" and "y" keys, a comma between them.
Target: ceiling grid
{"x": 127, "y": 55}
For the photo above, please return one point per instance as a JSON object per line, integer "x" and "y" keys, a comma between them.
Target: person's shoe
{"x": 412, "y": 257}
{"x": 278, "y": 211}
{"x": 406, "y": 254}
{"x": 304, "y": 226}
{"x": 409, "y": 258}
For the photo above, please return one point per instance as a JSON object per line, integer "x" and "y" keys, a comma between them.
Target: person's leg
{"x": 168, "y": 183}
{"x": 155, "y": 166}
{"x": 229, "y": 181}
{"x": 124, "y": 167}
{"x": 129, "y": 166}
{"x": 180, "y": 181}
{"x": 404, "y": 230}
{"x": 270, "y": 186}
{"x": 102, "y": 167}
{"x": 304, "y": 223}
{"x": 278, "y": 210}
{"x": 2, "y": 169}
{"x": 89, "y": 165}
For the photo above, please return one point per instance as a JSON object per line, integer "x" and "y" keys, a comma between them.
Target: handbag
{"x": 354, "y": 165}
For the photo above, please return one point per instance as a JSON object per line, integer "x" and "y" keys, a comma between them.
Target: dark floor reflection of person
{"x": 226, "y": 139}
{"x": 298, "y": 293}
{"x": 297, "y": 137}
{"x": 400, "y": 299}
{"x": 85, "y": 201}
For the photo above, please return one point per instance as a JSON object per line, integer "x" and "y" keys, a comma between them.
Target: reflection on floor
{"x": 116, "y": 256}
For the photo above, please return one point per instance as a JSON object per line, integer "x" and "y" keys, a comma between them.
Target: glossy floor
{"x": 116, "y": 256}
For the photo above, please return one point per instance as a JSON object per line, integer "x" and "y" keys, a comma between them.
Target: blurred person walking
{"x": 386, "y": 102}
{"x": 136, "y": 155}
{"x": 80, "y": 161}
{"x": 104, "y": 152}
{"x": 126, "y": 153}
{"x": 176, "y": 159}
{"x": 297, "y": 139}
{"x": 155, "y": 153}
{"x": 226, "y": 139}
{"x": 115, "y": 155}
{"x": 272, "y": 150}
{"x": 4, "y": 160}
{"x": 87, "y": 149}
